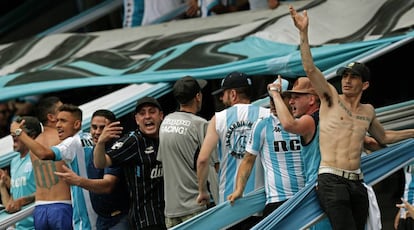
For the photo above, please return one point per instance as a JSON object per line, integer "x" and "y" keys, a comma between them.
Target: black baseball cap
{"x": 186, "y": 88}
{"x": 234, "y": 80}
{"x": 356, "y": 68}
{"x": 147, "y": 101}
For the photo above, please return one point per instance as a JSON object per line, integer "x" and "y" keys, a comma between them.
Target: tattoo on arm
{"x": 244, "y": 176}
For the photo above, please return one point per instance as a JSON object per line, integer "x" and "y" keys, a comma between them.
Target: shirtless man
{"x": 53, "y": 207}
{"x": 344, "y": 122}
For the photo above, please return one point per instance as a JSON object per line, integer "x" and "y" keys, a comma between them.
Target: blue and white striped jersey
{"x": 233, "y": 125}
{"x": 280, "y": 155}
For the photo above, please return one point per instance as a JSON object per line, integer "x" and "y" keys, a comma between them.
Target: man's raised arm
{"x": 100, "y": 158}
{"x": 41, "y": 151}
{"x": 321, "y": 85}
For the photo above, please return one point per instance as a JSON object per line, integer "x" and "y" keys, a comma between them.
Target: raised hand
{"x": 301, "y": 20}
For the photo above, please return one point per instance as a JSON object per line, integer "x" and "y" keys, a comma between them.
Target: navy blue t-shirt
{"x": 115, "y": 202}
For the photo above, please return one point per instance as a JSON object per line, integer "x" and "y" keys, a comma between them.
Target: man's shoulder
{"x": 48, "y": 138}
{"x": 367, "y": 106}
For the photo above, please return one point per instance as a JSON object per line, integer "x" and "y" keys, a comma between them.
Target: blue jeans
{"x": 344, "y": 201}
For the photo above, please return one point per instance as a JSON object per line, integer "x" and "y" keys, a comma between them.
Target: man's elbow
{"x": 47, "y": 155}
{"x": 202, "y": 162}
{"x": 107, "y": 190}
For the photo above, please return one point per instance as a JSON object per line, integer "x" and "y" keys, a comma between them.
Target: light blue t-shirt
{"x": 22, "y": 184}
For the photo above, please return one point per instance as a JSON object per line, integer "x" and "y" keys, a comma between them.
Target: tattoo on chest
{"x": 362, "y": 118}
{"x": 344, "y": 108}
{"x": 358, "y": 117}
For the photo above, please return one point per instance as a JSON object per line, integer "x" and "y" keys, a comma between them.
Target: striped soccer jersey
{"x": 233, "y": 125}
{"x": 409, "y": 183}
{"x": 280, "y": 155}
{"x": 137, "y": 155}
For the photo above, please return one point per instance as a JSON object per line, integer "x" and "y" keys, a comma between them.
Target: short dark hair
{"x": 105, "y": 113}
{"x": 45, "y": 106}
{"x": 31, "y": 126}
{"x": 245, "y": 92}
{"x": 73, "y": 109}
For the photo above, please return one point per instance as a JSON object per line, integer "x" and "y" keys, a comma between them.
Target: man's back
{"x": 233, "y": 125}
{"x": 48, "y": 186}
{"x": 181, "y": 136}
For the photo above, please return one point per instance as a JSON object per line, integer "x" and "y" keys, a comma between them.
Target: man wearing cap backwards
{"x": 344, "y": 122}
{"x": 136, "y": 153}
{"x": 181, "y": 135}
{"x": 228, "y": 131}
{"x": 280, "y": 155}
{"x": 22, "y": 183}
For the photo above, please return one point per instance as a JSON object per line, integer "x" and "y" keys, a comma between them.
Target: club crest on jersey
{"x": 236, "y": 138}
{"x": 277, "y": 129}
{"x": 117, "y": 145}
{"x": 149, "y": 150}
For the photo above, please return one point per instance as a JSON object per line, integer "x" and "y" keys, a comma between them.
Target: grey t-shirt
{"x": 181, "y": 136}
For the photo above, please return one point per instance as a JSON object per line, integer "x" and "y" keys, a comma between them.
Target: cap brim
{"x": 341, "y": 71}
{"x": 288, "y": 92}
{"x": 217, "y": 92}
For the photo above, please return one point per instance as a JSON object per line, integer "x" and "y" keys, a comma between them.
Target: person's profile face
{"x": 18, "y": 146}
{"x": 299, "y": 103}
{"x": 225, "y": 98}
{"x": 67, "y": 125}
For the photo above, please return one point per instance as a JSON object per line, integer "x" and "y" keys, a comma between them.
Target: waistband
{"x": 341, "y": 173}
{"x": 44, "y": 202}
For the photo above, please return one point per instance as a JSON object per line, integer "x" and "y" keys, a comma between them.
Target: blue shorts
{"x": 53, "y": 216}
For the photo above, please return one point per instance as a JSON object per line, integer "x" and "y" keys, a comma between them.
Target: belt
{"x": 341, "y": 173}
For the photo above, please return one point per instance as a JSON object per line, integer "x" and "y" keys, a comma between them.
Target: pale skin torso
{"x": 342, "y": 132}
{"x": 48, "y": 186}
{"x": 344, "y": 121}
